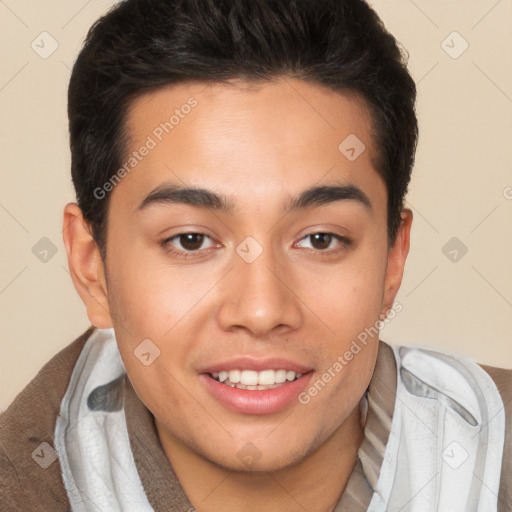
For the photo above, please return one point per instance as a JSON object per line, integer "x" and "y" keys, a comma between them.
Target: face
{"x": 262, "y": 278}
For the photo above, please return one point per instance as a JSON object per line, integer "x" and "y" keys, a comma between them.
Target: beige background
{"x": 462, "y": 184}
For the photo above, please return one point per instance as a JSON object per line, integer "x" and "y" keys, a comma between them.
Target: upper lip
{"x": 256, "y": 364}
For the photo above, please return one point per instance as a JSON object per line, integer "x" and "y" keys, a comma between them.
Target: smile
{"x": 255, "y": 380}
{"x": 280, "y": 392}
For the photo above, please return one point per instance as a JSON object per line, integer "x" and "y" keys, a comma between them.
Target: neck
{"x": 314, "y": 484}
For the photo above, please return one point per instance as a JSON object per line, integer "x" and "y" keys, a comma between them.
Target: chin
{"x": 270, "y": 464}
{"x": 261, "y": 456}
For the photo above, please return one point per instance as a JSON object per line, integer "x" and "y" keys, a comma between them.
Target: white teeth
{"x": 267, "y": 377}
{"x": 251, "y": 379}
{"x": 234, "y": 376}
{"x": 280, "y": 376}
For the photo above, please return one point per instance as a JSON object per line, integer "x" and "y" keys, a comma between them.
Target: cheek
{"x": 150, "y": 300}
{"x": 349, "y": 296}
{"x": 149, "y": 294}
{"x": 350, "y": 302}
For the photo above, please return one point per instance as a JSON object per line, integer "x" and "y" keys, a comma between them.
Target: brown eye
{"x": 321, "y": 240}
{"x": 191, "y": 241}
{"x": 189, "y": 245}
{"x": 326, "y": 243}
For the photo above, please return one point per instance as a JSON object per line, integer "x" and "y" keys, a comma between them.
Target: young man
{"x": 239, "y": 239}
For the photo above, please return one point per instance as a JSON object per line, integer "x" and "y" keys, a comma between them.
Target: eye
{"x": 186, "y": 244}
{"x": 324, "y": 241}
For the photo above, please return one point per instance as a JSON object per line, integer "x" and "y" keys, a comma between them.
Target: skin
{"x": 299, "y": 300}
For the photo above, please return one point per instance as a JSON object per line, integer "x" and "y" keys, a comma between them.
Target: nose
{"x": 259, "y": 297}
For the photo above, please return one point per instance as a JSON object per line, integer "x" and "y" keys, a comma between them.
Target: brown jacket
{"x": 30, "y": 475}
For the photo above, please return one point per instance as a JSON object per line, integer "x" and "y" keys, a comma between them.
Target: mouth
{"x": 259, "y": 389}
{"x": 253, "y": 380}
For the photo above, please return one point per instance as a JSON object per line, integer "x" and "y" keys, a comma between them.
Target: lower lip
{"x": 264, "y": 401}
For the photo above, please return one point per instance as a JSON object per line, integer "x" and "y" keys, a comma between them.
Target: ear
{"x": 85, "y": 266}
{"x": 396, "y": 259}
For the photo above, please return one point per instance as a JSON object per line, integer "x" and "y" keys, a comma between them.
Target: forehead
{"x": 281, "y": 135}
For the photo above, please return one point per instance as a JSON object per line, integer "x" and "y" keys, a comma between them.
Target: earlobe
{"x": 396, "y": 259}
{"x": 85, "y": 266}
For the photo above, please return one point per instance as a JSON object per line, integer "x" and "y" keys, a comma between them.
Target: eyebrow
{"x": 204, "y": 198}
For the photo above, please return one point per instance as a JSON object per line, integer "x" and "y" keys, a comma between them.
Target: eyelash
{"x": 169, "y": 249}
